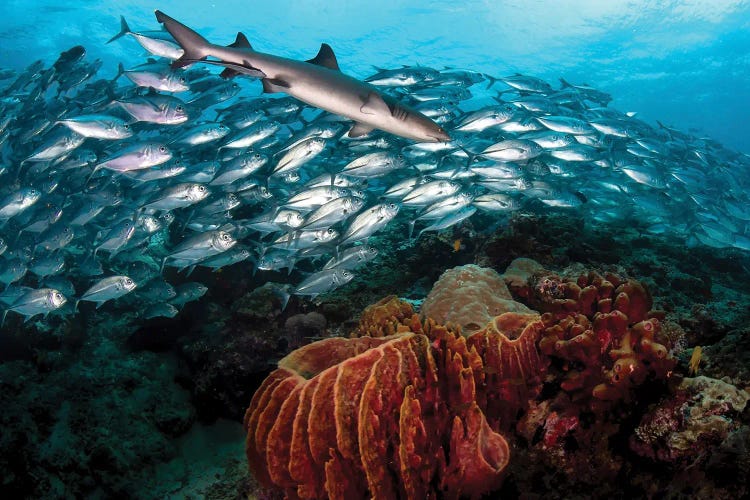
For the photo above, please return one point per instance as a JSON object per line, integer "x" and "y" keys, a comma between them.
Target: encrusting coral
{"x": 427, "y": 411}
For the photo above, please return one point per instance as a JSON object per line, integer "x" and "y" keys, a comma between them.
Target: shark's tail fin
{"x": 124, "y": 30}
{"x": 195, "y": 46}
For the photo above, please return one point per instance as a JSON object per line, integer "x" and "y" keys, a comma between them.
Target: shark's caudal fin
{"x": 195, "y": 46}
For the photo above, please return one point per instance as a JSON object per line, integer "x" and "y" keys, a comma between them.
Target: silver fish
{"x": 109, "y": 288}
{"x": 369, "y": 222}
{"x": 98, "y": 126}
{"x": 323, "y": 281}
{"x": 40, "y": 301}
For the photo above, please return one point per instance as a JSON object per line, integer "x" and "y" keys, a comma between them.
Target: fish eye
{"x": 391, "y": 205}
{"x": 329, "y": 231}
{"x": 180, "y": 108}
{"x": 126, "y": 126}
{"x": 128, "y": 281}
{"x": 201, "y": 188}
{"x": 225, "y": 237}
{"x": 162, "y": 149}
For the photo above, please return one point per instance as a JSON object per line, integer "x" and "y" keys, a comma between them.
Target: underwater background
{"x": 613, "y": 239}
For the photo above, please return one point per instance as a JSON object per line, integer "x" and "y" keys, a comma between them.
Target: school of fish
{"x": 107, "y": 182}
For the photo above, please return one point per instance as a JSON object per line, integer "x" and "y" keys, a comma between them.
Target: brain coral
{"x": 469, "y": 296}
{"x": 403, "y": 416}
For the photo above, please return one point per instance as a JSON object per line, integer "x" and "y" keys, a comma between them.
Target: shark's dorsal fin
{"x": 241, "y": 42}
{"x": 325, "y": 58}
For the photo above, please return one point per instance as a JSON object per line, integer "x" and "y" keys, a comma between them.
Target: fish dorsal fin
{"x": 241, "y": 42}
{"x": 325, "y": 58}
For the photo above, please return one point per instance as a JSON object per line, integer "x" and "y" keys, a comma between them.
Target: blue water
{"x": 684, "y": 63}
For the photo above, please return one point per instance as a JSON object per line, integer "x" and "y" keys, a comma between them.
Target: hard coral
{"x": 397, "y": 416}
{"x": 604, "y": 332}
{"x": 469, "y": 296}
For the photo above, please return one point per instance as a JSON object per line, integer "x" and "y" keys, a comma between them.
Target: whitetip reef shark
{"x": 318, "y": 82}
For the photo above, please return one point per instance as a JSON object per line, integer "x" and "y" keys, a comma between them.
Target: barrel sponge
{"x": 401, "y": 416}
{"x": 469, "y": 296}
{"x": 388, "y": 316}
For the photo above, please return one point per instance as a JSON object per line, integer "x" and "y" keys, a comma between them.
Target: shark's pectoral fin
{"x": 325, "y": 58}
{"x": 229, "y": 73}
{"x": 374, "y": 104}
{"x": 273, "y": 85}
{"x": 359, "y": 129}
{"x": 232, "y": 69}
{"x": 241, "y": 42}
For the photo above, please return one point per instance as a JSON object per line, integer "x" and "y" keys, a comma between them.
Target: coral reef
{"x": 425, "y": 411}
{"x": 469, "y": 296}
{"x": 684, "y": 428}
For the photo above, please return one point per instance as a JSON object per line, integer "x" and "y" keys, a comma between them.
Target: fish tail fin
{"x": 491, "y": 80}
{"x": 124, "y": 30}
{"x": 284, "y": 296}
{"x": 194, "y": 45}
{"x": 411, "y": 229}
{"x": 163, "y": 263}
{"x": 120, "y": 72}
{"x": 75, "y": 306}
{"x": 564, "y": 84}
